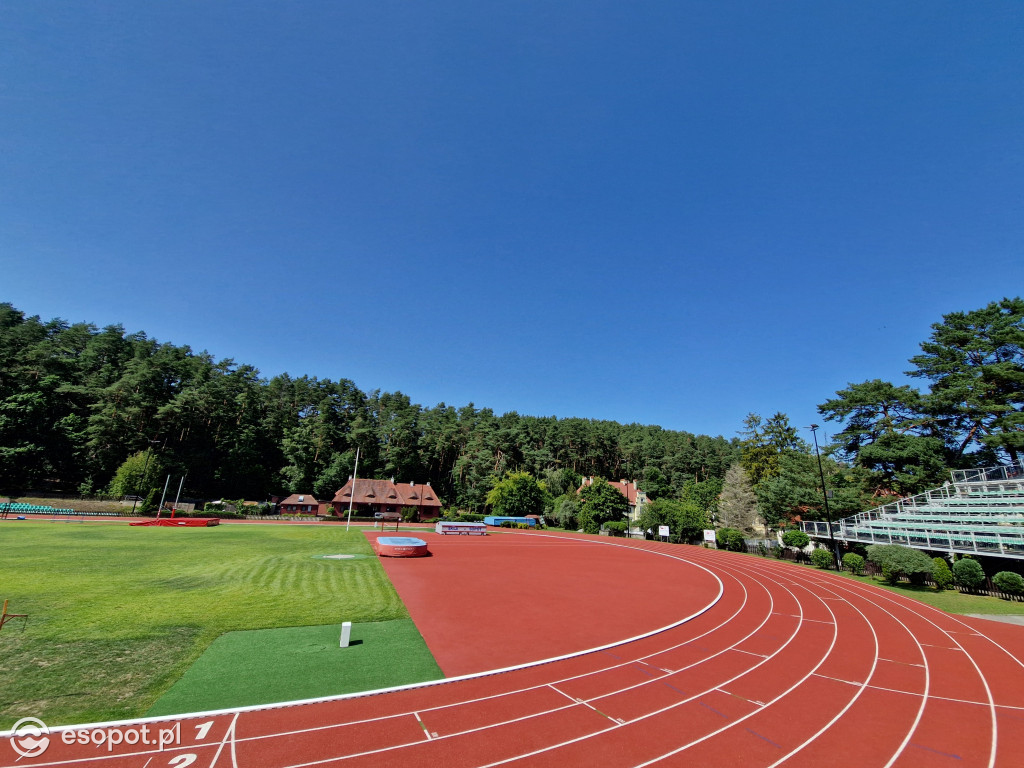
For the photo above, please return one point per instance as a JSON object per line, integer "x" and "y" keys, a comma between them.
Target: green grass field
{"x": 267, "y": 665}
{"x": 118, "y": 614}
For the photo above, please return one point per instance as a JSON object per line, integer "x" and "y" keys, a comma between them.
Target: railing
{"x": 1004, "y": 472}
{"x": 950, "y": 518}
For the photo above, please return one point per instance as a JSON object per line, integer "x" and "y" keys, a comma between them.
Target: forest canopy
{"x": 76, "y": 401}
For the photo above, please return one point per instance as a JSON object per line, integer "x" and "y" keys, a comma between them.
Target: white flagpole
{"x": 355, "y": 474}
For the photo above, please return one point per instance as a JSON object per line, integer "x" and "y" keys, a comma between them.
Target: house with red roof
{"x": 369, "y": 497}
{"x": 635, "y": 498}
{"x": 300, "y": 504}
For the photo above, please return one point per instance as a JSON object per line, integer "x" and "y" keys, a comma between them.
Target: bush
{"x": 730, "y": 539}
{"x": 149, "y": 505}
{"x": 942, "y": 576}
{"x": 898, "y": 561}
{"x": 822, "y": 558}
{"x": 854, "y": 563}
{"x": 616, "y": 528}
{"x": 968, "y": 574}
{"x": 1009, "y": 582}
{"x": 795, "y": 538}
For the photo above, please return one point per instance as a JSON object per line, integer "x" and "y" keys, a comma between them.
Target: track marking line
{"x": 229, "y": 734}
{"x": 588, "y": 705}
{"x": 750, "y": 653}
{"x": 709, "y": 707}
{"x": 764, "y": 738}
{"x": 425, "y": 731}
{"x": 741, "y": 698}
{"x": 904, "y": 663}
{"x": 936, "y": 751}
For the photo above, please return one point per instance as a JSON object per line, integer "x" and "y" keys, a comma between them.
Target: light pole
{"x": 824, "y": 493}
{"x": 145, "y": 466}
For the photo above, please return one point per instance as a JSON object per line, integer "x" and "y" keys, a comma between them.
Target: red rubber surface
{"x": 790, "y": 666}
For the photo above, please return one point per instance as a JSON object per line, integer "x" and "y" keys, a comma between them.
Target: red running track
{"x": 757, "y": 663}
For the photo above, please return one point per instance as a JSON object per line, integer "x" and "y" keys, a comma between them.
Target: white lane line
{"x": 981, "y": 675}
{"x": 851, "y": 702}
{"x": 574, "y": 703}
{"x": 845, "y": 586}
{"x": 424, "y": 727}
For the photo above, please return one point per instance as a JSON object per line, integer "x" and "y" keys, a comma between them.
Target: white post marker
{"x": 346, "y": 632}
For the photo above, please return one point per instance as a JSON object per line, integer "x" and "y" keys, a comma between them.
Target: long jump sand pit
{"x": 490, "y": 602}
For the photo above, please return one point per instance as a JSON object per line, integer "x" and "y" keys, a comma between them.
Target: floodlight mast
{"x": 824, "y": 493}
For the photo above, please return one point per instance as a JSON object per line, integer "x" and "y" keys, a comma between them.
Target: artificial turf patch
{"x": 270, "y": 665}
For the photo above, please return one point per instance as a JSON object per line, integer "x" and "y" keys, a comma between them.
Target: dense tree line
{"x": 77, "y": 401}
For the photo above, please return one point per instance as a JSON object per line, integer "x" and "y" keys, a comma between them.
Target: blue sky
{"x": 670, "y": 213}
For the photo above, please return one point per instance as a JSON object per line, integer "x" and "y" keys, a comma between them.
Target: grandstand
{"x": 980, "y": 512}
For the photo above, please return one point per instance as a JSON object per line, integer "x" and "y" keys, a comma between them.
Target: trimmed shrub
{"x": 968, "y": 574}
{"x": 616, "y": 528}
{"x": 854, "y": 563}
{"x": 941, "y": 575}
{"x": 898, "y": 561}
{"x": 795, "y": 538}
{"x": 1009, "y": 582}
{"x": 730, "y": 539}
{"x": 822, "y": 558}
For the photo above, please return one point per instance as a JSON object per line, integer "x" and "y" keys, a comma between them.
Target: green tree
{"x": 975, "y": 363}
{"x": 516, "y": 495}
{"x": 137, "y": 474}
{"x": 737, "y": 505}
{"x": 822, "y": 558}
{"x": 854, "y": 563}
{"x": 764, "y": 442}
{"x": 730, "y": 539}
{"x": 941, "y": 575}
{"x": 897, "y": 561}
{"x": 1009, "y": 582}
{"x": 968, "y": 574}
{"x": 686, "y": 520}
{"x": 795, "y": 538}
{"x": 566, "y": 511}
{"x": 884, "y": 432}
{"x": 600, "y": 503}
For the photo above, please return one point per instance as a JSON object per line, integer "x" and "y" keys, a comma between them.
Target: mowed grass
{"x": 269, "y": 665}
{"x": 117, "y": 614}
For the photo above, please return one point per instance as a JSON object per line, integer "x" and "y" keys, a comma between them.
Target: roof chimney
{"x": 412, "y": 483}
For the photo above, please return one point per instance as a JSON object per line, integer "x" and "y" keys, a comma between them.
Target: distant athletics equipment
{"x": 497, "y": 521}
{"x": 5, "y": 617}
{"x": 346, "y": 633}
{"x": 445, "y": 527}
{"x": 390, "y": 517}
{"x": 400, "y": 546}
{"x": 180, "y": 522}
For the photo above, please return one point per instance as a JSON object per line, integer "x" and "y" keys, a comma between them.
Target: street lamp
{"x": 149, "y": 452}
{"x": 824, "y": 493}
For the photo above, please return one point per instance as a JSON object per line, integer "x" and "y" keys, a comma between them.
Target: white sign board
{"x": 709, "y": 536}
{"x": 663, "y": 531}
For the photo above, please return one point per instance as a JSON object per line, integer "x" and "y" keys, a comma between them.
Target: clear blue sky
{"x": 672, "y": 213}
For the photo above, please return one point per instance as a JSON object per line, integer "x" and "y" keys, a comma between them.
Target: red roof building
{"x": 635, "y": 498}
{"x": 386, "y": 496}
{"x": 300, "y": 504}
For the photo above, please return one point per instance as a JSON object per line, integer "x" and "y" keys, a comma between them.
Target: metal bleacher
{"x": 980, "y": 512}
